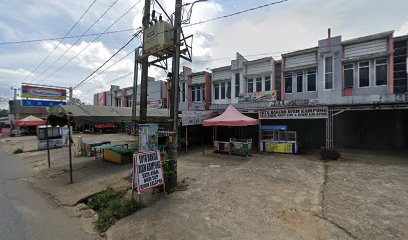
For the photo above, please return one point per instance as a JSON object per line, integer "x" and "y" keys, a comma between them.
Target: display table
{"x": 88, "y": 146}
{"x": 119, "y": 155}
{"x": 222, "y": 147}
{"x": 100, "y": 150}
{"x": 241, "y": 147}
{"x": 274, "y": 147}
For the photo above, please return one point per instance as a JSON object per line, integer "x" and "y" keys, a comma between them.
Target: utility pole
{"x": 175, "y": 89}
{"x": 70, "y": 96}
{"x": 135, "y": 79}
{"x": 145, "y": 68}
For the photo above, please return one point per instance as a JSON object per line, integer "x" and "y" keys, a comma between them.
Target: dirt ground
{"x": 267, "y": 196}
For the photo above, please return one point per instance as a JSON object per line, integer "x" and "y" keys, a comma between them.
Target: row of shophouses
{"x": 362, "y": 81}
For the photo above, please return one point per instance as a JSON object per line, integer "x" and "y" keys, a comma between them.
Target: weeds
{"x": 111, "y": 205}
{"x": 18, "y": 150}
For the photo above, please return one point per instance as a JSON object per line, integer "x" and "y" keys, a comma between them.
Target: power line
{"x": 112, "y": 65}
{"x": 87, "y": 30}
{"x": 119, "y": 78}
{"x": 62, "y": 39}
{"x": 120, "y": 49}
{"x": 67, "y": 37}
{"x": 82, "y": 50}
{"x": 237, "y": 13}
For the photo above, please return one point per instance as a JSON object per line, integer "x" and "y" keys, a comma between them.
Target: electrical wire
{"x": 120, "y": 49}
{"x": 89, "y": 44}
{"x": 68, "y": 37}
{"x": 66, "y": 51}
{"x": 236, "y": 13}
{"x": 60, "y": 41}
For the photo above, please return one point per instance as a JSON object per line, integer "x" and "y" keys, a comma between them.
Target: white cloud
{"x": 403, "y": 30}
{"x": 19, "y": 72}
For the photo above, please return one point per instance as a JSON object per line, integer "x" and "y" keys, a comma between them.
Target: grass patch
{"x": 18, "y": 150}
{"x": 111, "y": 205}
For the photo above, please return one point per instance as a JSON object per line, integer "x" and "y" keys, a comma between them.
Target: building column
{"x": 399, "y": 136}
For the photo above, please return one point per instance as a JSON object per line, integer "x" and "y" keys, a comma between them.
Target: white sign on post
{"x": 149, "y": 171}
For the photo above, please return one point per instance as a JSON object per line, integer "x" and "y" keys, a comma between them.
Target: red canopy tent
{"x": 29, "y": 121}
{"x": 231, "y": 117}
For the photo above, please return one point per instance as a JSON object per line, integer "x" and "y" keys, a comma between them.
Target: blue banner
{"x": 41, "y": 103}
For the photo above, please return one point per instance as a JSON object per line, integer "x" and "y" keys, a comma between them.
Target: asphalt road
{"x": 25, "y": 213}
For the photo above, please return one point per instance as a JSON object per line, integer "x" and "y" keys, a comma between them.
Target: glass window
{"x": 203, "y": 88}
{"x": 198, "y": 94}
{"x": 288, "y": 83}
{"x": 229, "y": 90}
{"x": 216, "y": 91}
{"x": 299, "y": 82}
{"x": 267, "y": 83}
{"x": 222, "y": 90}
{"x": 130, "y": 101}
{"x": 250, "y": 85}
{"x": 237, "y": 80}
{"x": 311, "y": 80}
{"x": 348, "y": 75}
{"x": 328, "y": 73}
{"x": 381, "y": 72}
{"x": 259, "y": 84}
{"x": 193, "y": 94}
{"x": 364, "y": 73}
{"x": 184, "y": 92}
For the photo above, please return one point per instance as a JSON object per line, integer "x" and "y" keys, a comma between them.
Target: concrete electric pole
{"x": 175, "y": 89}
{"x": 135, "y": 80}
{"x": 145, "y": 68}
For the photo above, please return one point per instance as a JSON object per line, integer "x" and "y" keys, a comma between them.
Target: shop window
{"x": 348, "y": 75}
{"x": 250, "y": 85}
{"x": 364, "y": 74}
{"x": 299, "y": 82}
{"x": 268, "y": 83}
{"x": 311, "y": 80}
{"x": 198, "y": 94}
{"x": 184, "y": 92}
{"x": 229, "y": 90}
{"x": 237, "y": 81}
{"x": 328, "y": 73}
{"x": 203, "y": 88}
{"x": 381, "y": 72}
{"x": 288, "y": 83}
{"x": 193, "y": 94}
{"x": 259, "y": 84}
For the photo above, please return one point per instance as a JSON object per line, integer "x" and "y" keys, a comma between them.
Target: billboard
{"x": 43, "y": 93}
{"x": 294, "y": 113}
{"x": 254, "y": 97}
{"x": 41, "y": 103}
{"x": 195, "y": 117}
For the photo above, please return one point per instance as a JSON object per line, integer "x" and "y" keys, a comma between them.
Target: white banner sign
{"x": 294, "y": 113}
{"x": 195, "y": 117}
{"x": 149, "y": 171}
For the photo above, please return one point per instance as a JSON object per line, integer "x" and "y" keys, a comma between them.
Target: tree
{"x": 77, "y": 101}
{"x": 4, "y": 113}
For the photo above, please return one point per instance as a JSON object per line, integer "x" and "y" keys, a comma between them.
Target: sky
{"x": 269, "y": 31}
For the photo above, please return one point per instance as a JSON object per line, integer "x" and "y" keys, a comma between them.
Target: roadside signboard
{"x": 41, "y": 103}
{"x": 148, "y": 137}
{"x": 149, "y": 171}
{"x": 254, "y": 97}
{"x": 43, "y": 93}
{"x": 195, "y": 117}
{"x": 294, "y": 113}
